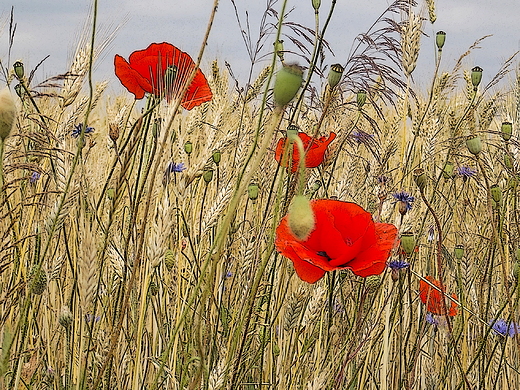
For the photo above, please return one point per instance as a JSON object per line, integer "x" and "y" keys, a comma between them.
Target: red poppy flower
{"x": 344, "y": 237}
{"x": 433, "y": 298}
{"x": 315, "y": 147}
{"x": 162, "y": 69}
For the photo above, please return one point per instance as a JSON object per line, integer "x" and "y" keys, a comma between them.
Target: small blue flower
{"x": 466, "y": 172}
{"x": 430, "y": 318}
{"x": 504, "y": 328}
{"x": 91, "y": 318}
{"x": 77, "y": 130}
{"x": 404, "y": 197}
{"x": 229, "y": 274}
{"x": 398, "y": 264}
{"x": 35, "y": 176}
{"x": 173, "y": 167}
{"x": 361, "y": 137}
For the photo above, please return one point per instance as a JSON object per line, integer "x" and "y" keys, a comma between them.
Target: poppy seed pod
{"x": 278, "y": 49}
{"x": 408, "y": 242}
{"x": 207, "y": 175}
{"x": 496, "y": 193}
{"x": 7, "y": 113}
{"x": 474, "y": 144}
{"x": 288, "y": 82}
{"x": 292, "y": 131}
{"x": 506, "y": 130}
{"x": 252, "y": 191}
{"x": 217, "y": 156}
{"x": 508, "y": 161}
{"x": 458, "y": 252}
{"x": 440, "y": 38}
{"x": 316, "y": 4}
{"x": 476, "y": 76}
{"x": 188, "y": 147}
{"x": 447, "y": 172}
{"x": 18, "y": 88}
{"x": 19, "y": 70}
{"x": 361, "y": 98}
{"x": 420, "y": 178}
{"x": 301, "y": 217}
{"x": 335, "y": 73}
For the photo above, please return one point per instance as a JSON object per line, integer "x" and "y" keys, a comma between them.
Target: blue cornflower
{"x": 92, "y": 318}
{"x": 405, "y": 200}
{"x": 396, "y": 265}
{"x": 77, "y": 130}
{"x": 361, "y": 137}
{"x": 504, "y": 328}
{"x": 173, "y": 167}
{"x": 35, "y": 176}
{"x": 229, "y": 274}
{"x": 466, "y": 172}
{"x": 430, "y": 318}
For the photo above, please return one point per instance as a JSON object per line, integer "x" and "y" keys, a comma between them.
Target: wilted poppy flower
{"x": 344, "y": 237}
{"x": 315, "y": 147}
{"x": 162, "y": 69}
{"x": 433, "y": 298}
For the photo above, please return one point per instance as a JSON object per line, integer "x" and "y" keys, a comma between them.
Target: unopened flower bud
{"x": 335, "y": 73}
{"x": 188, "y": 147}
{"x": 458, "y": 252}
{"x": 420, "y": 178}
{"x": 408, "y": 242}
{"x": 217, "y": 156}
{"x": 19, "y": 70}
{"x": 496, "y": 193}
{"x": 474, "y": 144}
{"x": 65, "y": 318}
{"x": 440, "y": 38}
{"x": 476, "y": 76}
{"x": 361, "y": 98}
{"x": 288, "y": 82}
{"x": 301, "y": 217}
{"x": 506, "y": 130}
{"x": 447, "y": 172}
{"x": 252, "y": 191}
{"x": 7, "y": 113}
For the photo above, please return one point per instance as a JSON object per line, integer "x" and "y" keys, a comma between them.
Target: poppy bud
{"x": 335, "y": 73}
{"x": 288, "y": 82}
{"x": 440, "y": 38}
{"x": 316, "y": 4}
{"x": 508, "y": 161}
{"x": 7, "y": 113}
{"x": 459, "y": 251}
{"x": 278, "y": 49}
{"x": 301, "y": 217}
{"x": 496, "y": 193}
{"x": 252, "y": 191}
{"x": 408, "y": 242}
{"x": 474, "y": 144}
{"x": 18, "y": 70}
{"x": 65, "y": 318}
{"x": 207, "y": 175}
{"x": 169, "y": 259}
{"x": 216, "y": 156}
{"x": 447, "y": 172}
{"x": 476, "y": 76}
{"x": 372, "y": 283}
{"x": 506, "y": 130}
{"x": 361, "y": 98}
{"x": 188, "y": 147}
{"x": 420, "y": 178}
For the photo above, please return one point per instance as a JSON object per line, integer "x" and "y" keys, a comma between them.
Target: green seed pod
{"x": 420, "y": 178}
{"x": 496, "y": 193}
{"x": 440, "y": 38}
{"x": 335, "y": 73}
{"x": 372, "y": 283}
{"x": 153, "y": 288}
{"x": 252, "y": 191}
{"x": 513, "y": 182}
{"x": 169, "y": 259}
{"x": 458, "y": 252}
{"x": 278, "y": 49}
{"x": 447, "y": 172}
{"x": 217, "y": 156}
{"x": 276, "y": 350}
{"x": 506, "y": 130}
{"x": 38, "y": 280}
{"x": 18, "y": 88}
{"x": 300, "y": 217}
{"x": 316, "y": 186}
{"x": 476, "y": 76}
{"x": 188, "y": 147}
{"x": 111, "y": 193}
{"x": 288, "y": 82}
{"x": 316, "y": 4}
{"x": 19, "y": 70}
{"x": 207, "y": 175}
{"x": 508, "y": 161}
{"x": 361, "y": 98}
{"x": 474, "y": 144}
{"x": 7, "y": 113}
{"x": 65, "y": 318}
{"x": 408, "y": 242}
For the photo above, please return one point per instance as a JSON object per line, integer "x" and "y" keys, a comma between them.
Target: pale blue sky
{"x": 51, "y": 27}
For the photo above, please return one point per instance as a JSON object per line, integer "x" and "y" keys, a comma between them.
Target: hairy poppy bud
{"x": 420, "y": 178}
{"x": 496, "y": 193}
{"x": 447, "y": 172}
{"x": 217, "y": 156}
{"x": 207, "y": 175}
{"x": 440, "y": 38}
{"x": 19, "y": 70}
{"x": 476, "y": 76}
{"x": 7, "y": 113}
{"x": 458, "y": 251}
{"x": 361, "y": 98}
{"x": 288, "y": 82}
{"x": 252, "y": 191}
{"x": 335, "y": 73}
{"x": 278, "y": 49}
{"x": 188, "y": 147}
{"x": 474, "y": 144}
{"x": 408, "y": 242}
{"x": 506, "y": 130}
{"x": 301, "y": 217}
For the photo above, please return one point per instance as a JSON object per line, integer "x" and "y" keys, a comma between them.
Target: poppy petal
{"x": 130, "y": 78}
{"x": 316, "y": 154}
{"x": 434, "y": 299}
